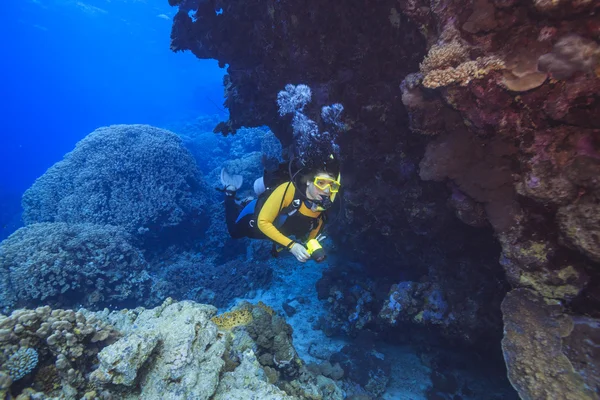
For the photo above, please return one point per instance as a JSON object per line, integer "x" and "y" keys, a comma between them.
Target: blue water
{"x": 71, "y": 66}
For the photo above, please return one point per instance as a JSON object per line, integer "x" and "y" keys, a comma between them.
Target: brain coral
{"x": 70, "y": 263}
{"x": 135, "y": 176}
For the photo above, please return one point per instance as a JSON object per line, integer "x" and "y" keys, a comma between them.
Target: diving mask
{"x": 323, "y": 183}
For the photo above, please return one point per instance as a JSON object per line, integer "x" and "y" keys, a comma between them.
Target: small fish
{"x": 164, "y": 16}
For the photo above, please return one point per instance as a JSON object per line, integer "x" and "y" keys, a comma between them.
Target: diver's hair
{"x": 324, "y": 162}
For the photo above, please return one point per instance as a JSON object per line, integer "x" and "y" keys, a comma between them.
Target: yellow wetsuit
{"x": 303, "y": 222}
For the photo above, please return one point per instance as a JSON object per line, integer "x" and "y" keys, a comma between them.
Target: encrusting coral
{"x": 444, "y": 55}
{"x": 464, "y": 73}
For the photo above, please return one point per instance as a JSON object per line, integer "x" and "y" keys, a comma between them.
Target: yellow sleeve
{"x": 313, "y": 234}
{"x": 270, "y": 212}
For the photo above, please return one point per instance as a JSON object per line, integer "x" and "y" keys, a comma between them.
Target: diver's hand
{"x": 300, "y": 252}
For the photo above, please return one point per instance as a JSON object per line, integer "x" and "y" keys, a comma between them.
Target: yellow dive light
{"x": 315, "y": 250}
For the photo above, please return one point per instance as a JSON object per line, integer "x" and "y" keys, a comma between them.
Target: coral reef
{"x": 135, "y": 176}
{"x": 50, "y": 351}
{"x": 65, "y": 264}
{"x": 175, "y": 351}
{"x": 191, "y": 276}
{"x": 498, "y": 129}
{"x": 351, "y": 302}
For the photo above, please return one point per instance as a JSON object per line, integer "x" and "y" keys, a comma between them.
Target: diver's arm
{"x": 313, "y": 234}
{"x": 270, "y": 212}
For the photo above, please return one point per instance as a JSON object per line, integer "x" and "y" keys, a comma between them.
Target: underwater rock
{"x": 346, "y": 55}
{"x": 188, "y": 357}
{"x": 534, "y": 259}
{"x": 426, "y": 112}
{"x": 121, "y": 361}
{"x": 565, "y": 8}
{"x": 274, "y": 335}
{"x": 467, "y": 210}
{"x": 321, "y": 350}
{"x": 350, "y": 301}
{"x": 334, "y": 372}
{"x": 580, "y": 225}
{"x": 365, "y": 366}
{"x": 478, "y": 168}
{"x": 248, "y": 381}
{"x": 402, "y": 303}
{"x": 422, "y": 303}
{"x": 290, "y": 310}
{"x": 535, "y": 332}
{"x": 582, "y": 348}
{"x": 135, "y": 176}
{"x": 572, "y": 103}
{"x": 560, "y": 164}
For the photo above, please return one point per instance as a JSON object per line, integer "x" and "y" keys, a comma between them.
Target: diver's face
{"x": 313, "y": 192}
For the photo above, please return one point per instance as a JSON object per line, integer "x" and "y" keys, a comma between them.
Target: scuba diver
{"x": 288, "y": 204}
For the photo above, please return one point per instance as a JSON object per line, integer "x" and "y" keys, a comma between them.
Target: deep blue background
{"x": 71, "y": 66}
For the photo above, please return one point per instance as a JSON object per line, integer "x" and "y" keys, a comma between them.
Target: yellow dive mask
{"x": 325, "y": 182}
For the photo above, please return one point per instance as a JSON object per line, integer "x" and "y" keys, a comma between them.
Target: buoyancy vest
{"x": 289, "y": 221}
